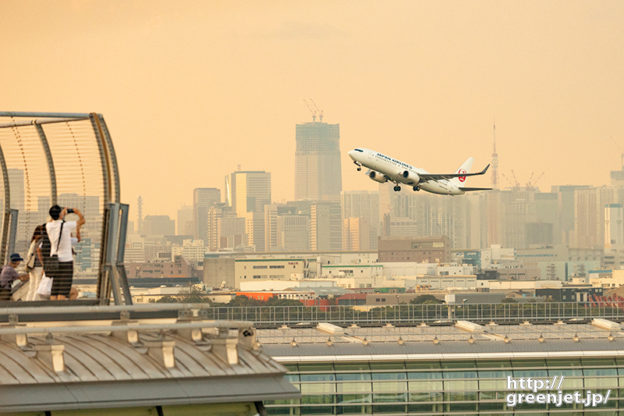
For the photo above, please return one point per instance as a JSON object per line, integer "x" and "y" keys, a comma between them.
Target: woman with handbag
{"x": 34, "y": 262}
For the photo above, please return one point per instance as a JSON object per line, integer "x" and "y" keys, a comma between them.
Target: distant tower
{"x": 494, "y": 160}
{"x": 140, "y": 215}
{"x": 318, "y": 175}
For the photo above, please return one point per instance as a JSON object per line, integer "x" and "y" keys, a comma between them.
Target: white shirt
{"x": 65, "y": 247}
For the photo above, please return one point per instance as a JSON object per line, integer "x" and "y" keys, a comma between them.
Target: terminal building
{"x": 454, "y": 369}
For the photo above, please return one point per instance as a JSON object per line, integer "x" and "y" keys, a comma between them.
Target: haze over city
{"x": 193, "y": 92}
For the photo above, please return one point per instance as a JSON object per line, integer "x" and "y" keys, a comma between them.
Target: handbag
{"x": 31, "y": 256}
{"x": 51, "y": 265}
{"x": 45, "y": 286}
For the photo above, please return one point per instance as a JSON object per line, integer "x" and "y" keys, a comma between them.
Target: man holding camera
{"x": 59, "y": 233}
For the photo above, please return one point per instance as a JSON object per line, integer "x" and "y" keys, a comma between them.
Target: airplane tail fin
{"x": 464, "y": 168}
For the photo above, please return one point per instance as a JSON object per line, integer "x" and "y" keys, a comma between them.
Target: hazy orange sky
{"x": 191, "y": 89}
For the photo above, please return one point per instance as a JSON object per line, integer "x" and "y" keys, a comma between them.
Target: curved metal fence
{"x": 56, "y": 158}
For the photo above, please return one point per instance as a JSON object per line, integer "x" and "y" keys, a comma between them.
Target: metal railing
{"x": 66, "y": 159}
{"x": 504, "y": 313}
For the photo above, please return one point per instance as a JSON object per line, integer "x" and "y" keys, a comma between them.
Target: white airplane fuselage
{"x": 394, "y": 171}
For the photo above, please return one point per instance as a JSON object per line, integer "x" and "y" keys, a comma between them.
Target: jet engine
{"x": 376, "y": 176}
{"x": 410, "y": 178}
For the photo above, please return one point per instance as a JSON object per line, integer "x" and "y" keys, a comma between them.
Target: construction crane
{"x": 533, "y": 181}
{"x": 314, "y": 109}
{"x": 311, "y": 108}
{"x": 318, "y": 111}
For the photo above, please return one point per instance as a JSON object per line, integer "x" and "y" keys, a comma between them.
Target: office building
{"x": 410, "y": 249}
{"x": 185, "y": 221}
{"x": 356, "y": 234}
{"x": 364, "y": 205}
{"x": 614, "y": 227}
{"x": 203, "y": 199}
{"x": 247, "y": 192}
{"x": 158, "y": 225}
{"x": 318, "y": 174}
{"x": 325, "y": 226}
{"x": 589, "y": 216}
{"x": 293, "y": 232}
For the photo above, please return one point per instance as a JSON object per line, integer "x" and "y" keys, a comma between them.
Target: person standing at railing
{"x": 59, "y": 232}
{"x": 9, "y": 275}
{"x": 34, "y": 262}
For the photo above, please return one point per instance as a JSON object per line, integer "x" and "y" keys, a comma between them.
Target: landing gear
{"x": 359, "y": 166}
{"x": 397, "y": 188}
{"x": 359, "y": 169}
{"x": 416, "y": 188}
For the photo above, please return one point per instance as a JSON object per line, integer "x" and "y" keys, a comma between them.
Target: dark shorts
{"x": 62, "y": 279}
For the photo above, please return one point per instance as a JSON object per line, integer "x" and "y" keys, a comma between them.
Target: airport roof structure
{"x": 454, "y": 341}
{"x": 124, "y": 362}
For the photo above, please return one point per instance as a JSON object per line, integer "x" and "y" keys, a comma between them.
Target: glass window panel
{"x": 317, "y": 377}
{"x": 398, "y": 365}
{"x": 316, "y": 367}
{"x": 425, "y": 386}
{"x": 283, "y": 407}
{"x": 392, "y": 408}
{"x": 461, "y": 401}
{"x": 553, "y": 363}
{"x": 529, "y": 368}
{"x": 492, "y": 400}
{"x": 493, "y": 374}
{"x": 389, "y": 387}
{"x": 596, "y": 378}
{"x": 354, "y": 409}
{"x": 461, "y": 385}
{"x": 425, "y": 403}
{"x": 313, "y": 404}
{"x": 293, "y": 378}
{"x": 354, "y": 387}
{"x": 598, "y": 362}
{"x": 355, "y": 367}
{"x": 317, "y": 388}
{"x": 422, "y": 365}
{"x": 352, "y": 376}
{"x": 449, "y": 365}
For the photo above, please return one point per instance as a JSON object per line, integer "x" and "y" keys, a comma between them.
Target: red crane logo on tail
{"x": 461, "y": 178}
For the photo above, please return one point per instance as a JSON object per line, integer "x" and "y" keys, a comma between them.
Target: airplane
{"x": 386, "y": 169}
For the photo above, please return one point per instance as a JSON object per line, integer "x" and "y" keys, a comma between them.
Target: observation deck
{"x": 66, "y": 159}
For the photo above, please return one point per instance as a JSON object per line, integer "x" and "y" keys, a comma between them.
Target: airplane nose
{"x": 351, "y": 153}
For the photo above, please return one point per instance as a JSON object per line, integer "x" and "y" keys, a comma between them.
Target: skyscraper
{"x": 203, "y": 199}
{"x": 247, "y": 192}
{"x": 325, "y": 226}
{"x": 318, "y": 174}
{"x": 614, "y": 226}
{"x": 364, "y": 205}
{"x": 185, "y": 221}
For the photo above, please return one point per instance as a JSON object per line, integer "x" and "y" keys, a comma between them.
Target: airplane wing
{"x": 466, "y": 189}
{"x": 424, "y": 177}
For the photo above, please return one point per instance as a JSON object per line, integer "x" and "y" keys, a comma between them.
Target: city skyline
{"x": 202, "y": 89}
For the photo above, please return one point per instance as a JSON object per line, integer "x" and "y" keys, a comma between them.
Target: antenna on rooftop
{"x": 140, "y": 214}
{"x": 494, "y": 159}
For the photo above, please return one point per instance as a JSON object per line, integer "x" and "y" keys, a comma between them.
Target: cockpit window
{"x": 358, "y": 150}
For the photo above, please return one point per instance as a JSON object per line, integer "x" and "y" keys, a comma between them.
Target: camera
{"x": 70, "y": 210}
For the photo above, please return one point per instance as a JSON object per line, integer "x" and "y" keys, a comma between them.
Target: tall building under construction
{"x": 318, "y": 174}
